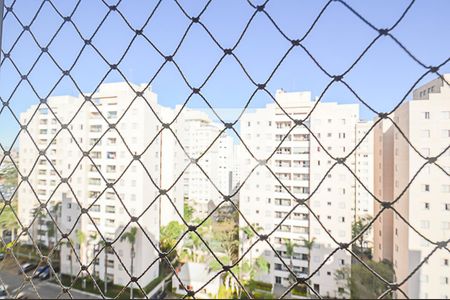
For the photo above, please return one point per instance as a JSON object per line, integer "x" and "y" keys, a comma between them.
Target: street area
{"x": 17, "y": 287}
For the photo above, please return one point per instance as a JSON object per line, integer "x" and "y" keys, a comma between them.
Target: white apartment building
{"x": 425, "y": 121}
{"x": 300, "y": 163}
{"x": 363, "y": 205}
{"x": 119, "y": 180}
{"x": 110, "y": 183}
{"x": 197, "y": 133}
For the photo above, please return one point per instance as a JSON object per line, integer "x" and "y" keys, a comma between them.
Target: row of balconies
{"x": 296, "y": 137}
{"x": 294, "y": 190}
{"x": 287, "y": 163}
{"x": 294, "y": 176}
{"x": 293, "y": 216}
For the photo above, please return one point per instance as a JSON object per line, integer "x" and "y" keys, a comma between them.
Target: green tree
{"x": 169, "y": 235}
{"x": 362, "y": 283}
{"x": 8, "y": 221}
{"x": 227, "y": 235}
{"x": 251, "y": 269}
{"x": 357, "y": 227}
{"x": 8, "y": 178}
{"x": 130, "y": 237}
{"x": 249, "y": 234}
{"x": 194, "y": 248}
{"x": 188, "y": 212}
{"x": 8, "y": 174}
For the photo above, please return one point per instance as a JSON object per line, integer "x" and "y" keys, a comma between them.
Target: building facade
{"x": 364, "y": 171}
{"x": 93, "y": 168}
{"x": 303, "y": 167}
{"x": 123, "y": 158}
{"x": 203, "y": 140}
{"x": 425, "y": 205}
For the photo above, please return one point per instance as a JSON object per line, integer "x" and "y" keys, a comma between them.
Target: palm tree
{"x": 249, "y": 235}
{"x": 81, "y": 239}
{"x": 194, "y": 248}
{"x": 69, "y": 244}
{"x": 103, "y": 244}
{"x": 309, "y": 245}
{"x": 38, "y": 214}
{"x": 93, "y": 238}
{"x": 52, "y": 229}
{"x": 130, "y": 236}
{"x": 290, "y": 253}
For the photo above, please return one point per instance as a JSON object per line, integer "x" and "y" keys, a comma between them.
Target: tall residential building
{"x": 425, "y": 121}
{"x": 363, "y": 205}
{"x": 114, "y": 187}
{"x": 300, "y": 163}
{"x": 118, "y": 157}
{"x": 202, "y": 140}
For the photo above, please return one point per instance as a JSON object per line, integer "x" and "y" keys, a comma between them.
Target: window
{"x": 110, "y": 169}
{"x": 111, "y": 155}
{"x": 96, "y": 155}
{"x": 111, "y": 141}
{"x": 445, "y": 188}
{"x": 96, "y": 128}
{"x": 445, "y": 133}
{"x": 94, "y": 181}
{"x": 112, "y": 114}
{"x": 426, "y": 115}
{"x": 427, "y": 205}
{"x": 425, "y": 133}
{"x": 426, "y": 187}
{"x": 425, "y": 224}
{"x": 447, "y": 206}
{"x": 445, "y": 115}
{"x": 110, "y": 209}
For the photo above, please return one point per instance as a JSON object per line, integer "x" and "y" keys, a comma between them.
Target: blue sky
{"x": 381, "y": 78}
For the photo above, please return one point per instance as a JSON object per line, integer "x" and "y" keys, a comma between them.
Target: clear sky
{"x": 381, "y": 78}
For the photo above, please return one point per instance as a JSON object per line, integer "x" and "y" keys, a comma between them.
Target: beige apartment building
{"x": 425, "y": 121}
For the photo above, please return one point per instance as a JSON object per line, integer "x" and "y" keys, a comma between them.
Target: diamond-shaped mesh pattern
{"x": 88, "y": 43}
